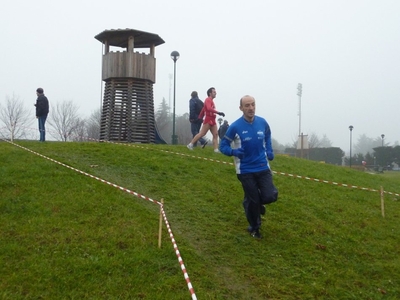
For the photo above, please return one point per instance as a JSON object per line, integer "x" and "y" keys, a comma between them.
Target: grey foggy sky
{"x": 345, "y": 53}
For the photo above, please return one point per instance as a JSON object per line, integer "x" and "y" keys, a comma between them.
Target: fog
{"x": 344, "y": 53}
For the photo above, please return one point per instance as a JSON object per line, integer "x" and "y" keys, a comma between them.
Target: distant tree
{"x": 64, "y": 120}
{"x": 363, "y": 144}
{"x": 396, "y": 154}
{"x": 331, "y": 155}
{"x": 366, "y": 144}
{"x": 386, "y": 155}
{"x": 278, "y": 148}
{"x": 290, "y": 148}
{"x": 164, "y": 121}
{"x": 15, "y": 117}
{"x": 291, "y": 145}
{"x": 325, "y": 142}
{"x": 93, "y": 125}
{"x": 315, "y": 142}
{"x": 369, "y": 158}
{"x": 358, "y": 159}
{"x": 183, "y": 130}
{"x": 79, "y": 133}
{"x": 378, "y": 142}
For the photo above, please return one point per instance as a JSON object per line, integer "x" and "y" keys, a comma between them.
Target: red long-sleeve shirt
{"x": 208, "y": 109}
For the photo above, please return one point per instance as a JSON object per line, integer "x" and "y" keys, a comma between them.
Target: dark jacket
{"x": 222, "y": 130}
{"x": 193, "y": 113}
{"x": 42, "y": 106}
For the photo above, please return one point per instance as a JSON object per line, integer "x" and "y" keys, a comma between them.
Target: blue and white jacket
{"x": 254, "y": 138}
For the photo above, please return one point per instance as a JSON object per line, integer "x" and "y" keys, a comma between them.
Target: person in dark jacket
{"x": 222, "y": 129}
{"x": 42, "y": 110}
{"x": 195, "y": 107}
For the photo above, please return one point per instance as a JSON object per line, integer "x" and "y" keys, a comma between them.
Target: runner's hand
{"x": 239, "y": 152}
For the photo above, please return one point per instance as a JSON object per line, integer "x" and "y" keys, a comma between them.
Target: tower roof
{"x": 119, "y": 38}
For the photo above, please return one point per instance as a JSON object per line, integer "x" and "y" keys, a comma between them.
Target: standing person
{"x": 248, "y": 139}
{"x": 222, "y": 129}
{"x": 195, "y": 107}
{"x": 42, "y": 110}
{"x": 209, "y": 123}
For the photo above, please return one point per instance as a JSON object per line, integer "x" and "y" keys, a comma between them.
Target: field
{"x": 67, "y": 235}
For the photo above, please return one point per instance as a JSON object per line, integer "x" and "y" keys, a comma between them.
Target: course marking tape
{"x": 230, "y": 163}
{"x": 326, "y": 181}
{"x": 227, "y": 163}
{"x": 289, "y": 175}
{"x": 180, "y": 260}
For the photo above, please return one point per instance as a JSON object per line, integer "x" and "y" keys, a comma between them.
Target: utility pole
{"x": 299, "y": 93}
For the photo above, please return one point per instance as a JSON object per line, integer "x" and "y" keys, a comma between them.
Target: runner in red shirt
{"x": 209, "y": 123}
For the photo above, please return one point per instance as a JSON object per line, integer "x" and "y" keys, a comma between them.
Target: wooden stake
{"x": 382, "y": 203}
{"x": 160, "y": 224}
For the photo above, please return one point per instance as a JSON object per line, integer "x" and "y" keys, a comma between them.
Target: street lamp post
{"x": 175, "y": 57}
{"x": 351, "y": 130}
{"x": 382, "y": 136}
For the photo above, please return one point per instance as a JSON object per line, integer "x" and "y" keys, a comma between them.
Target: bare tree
{"x": 15, "y": 117}
{"x": 93, "y": 125}
{"x": 64, "y": 120}
{"x": 315, "y": 142}
{"x": 79, "y": 131}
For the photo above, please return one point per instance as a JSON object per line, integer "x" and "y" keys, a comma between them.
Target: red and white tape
{"x": 226, "y": 163}
{"x": 291, "y": 175}
{"x": 180, "y": 260}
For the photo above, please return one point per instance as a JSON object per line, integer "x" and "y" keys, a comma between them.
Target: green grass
{"x": 64, "y": 235}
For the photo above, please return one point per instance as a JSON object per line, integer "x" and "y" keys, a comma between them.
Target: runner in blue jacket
{"x": 248, "y": 140}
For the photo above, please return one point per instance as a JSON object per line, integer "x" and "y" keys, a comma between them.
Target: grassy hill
{"x": 65, "y": 235}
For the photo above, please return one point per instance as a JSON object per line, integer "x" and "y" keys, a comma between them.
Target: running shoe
{"x": 256, "y": 234}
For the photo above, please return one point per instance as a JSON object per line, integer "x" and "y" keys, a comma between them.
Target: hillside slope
{"x": 67, "y": 235}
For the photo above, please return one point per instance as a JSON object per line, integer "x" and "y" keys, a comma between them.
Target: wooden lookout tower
{"x": 128, "y": 106}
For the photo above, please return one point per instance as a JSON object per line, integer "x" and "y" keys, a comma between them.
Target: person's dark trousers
{"x": 195, "y": 128}
{"x": 258, "y": 190}
{"x": 42, "y": 130}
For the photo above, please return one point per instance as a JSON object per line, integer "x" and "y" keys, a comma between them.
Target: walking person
{"x": 195, "y": 107}
{"x": 222, "y": 129}
{"x": 248, "y": 139}
{"x": 42, "y": 110}
{"x": 209, "y": 123}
